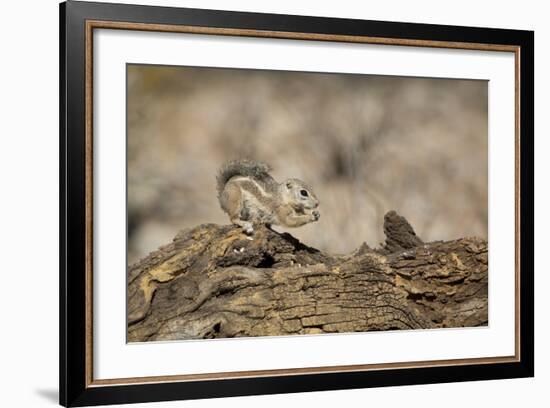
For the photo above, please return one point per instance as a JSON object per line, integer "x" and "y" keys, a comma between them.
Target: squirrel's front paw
{"x": 315, "y": 215}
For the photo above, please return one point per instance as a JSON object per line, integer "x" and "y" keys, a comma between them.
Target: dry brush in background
{"x": 364, "y": 143}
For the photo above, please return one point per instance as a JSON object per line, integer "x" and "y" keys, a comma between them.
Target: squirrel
{"x": 251, "y": 197}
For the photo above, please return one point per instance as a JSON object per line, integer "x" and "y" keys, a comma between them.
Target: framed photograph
{"x": 256, "y": 203}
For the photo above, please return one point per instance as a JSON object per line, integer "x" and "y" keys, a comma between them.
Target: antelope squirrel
{"x": 250, "y": 196}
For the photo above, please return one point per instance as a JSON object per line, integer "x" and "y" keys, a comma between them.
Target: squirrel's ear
{"x": 288, "y": 184}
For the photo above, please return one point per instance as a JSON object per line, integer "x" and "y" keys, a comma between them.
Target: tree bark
{"x": 213, "y": 281}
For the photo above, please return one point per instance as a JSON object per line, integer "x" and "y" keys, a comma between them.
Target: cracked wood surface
{"x": 212, "y": 281}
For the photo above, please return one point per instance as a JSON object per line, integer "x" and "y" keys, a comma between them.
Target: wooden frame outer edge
{"x": 89, "y": 207}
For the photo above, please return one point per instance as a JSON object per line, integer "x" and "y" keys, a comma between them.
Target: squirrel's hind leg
{"x": 247, "y": 226}
{"x": 235, "y": 206}
{"x": 244, "y": 219}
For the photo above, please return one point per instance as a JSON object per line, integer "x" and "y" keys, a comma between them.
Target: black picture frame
{"x": 75, "y": 387}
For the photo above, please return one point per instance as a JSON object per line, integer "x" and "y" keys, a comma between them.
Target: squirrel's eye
{"x": 303, "y": 193}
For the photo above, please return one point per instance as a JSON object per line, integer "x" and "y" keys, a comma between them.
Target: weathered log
{"x": 213, "y": 281}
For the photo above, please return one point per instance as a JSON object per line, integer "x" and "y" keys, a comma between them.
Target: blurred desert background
{"x": 366, "y": 144}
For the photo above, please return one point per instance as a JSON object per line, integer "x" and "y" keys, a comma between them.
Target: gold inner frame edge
{"x": 98, "y": 24}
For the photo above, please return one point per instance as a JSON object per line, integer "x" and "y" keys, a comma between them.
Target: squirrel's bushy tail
{"x": 242, "y": 167}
